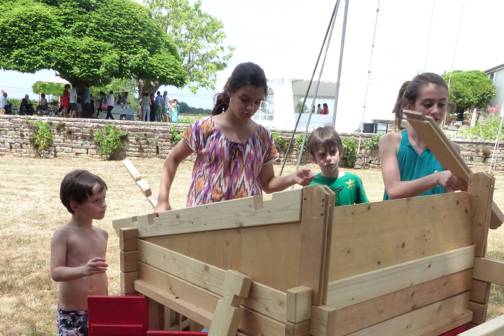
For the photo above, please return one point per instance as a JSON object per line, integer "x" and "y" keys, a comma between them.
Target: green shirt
{"x": 348, "y": 188}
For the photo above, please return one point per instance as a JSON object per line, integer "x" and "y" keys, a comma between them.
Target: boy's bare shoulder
{"x": 62, "y": 232}
{"x": 101, "y": 232}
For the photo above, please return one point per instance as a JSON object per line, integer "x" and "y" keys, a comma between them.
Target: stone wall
{"x": 75, "y": 137}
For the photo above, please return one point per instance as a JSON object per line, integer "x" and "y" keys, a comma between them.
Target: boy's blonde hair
{"x": 325, "y": 137}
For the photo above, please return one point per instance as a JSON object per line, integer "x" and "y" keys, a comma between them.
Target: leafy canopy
{"x": 199, "y": 38}
{"x": 470, "y": 89}
{"x": 88, "y": 42}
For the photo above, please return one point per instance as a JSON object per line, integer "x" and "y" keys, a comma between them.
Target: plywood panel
{"x": 371, "y": 236}
{"x": 268, "y": 254}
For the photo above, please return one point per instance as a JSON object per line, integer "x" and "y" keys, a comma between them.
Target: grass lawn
{"x": 30, "y": 211}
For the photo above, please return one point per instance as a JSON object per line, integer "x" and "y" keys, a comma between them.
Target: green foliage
{"x": 175, "y": 135}
{"x": 484, "y": 131}
{"x": 349, "y": 151}
{"x": 470, "y": 89}
{"x": 109, "y": 140}
{"x": 88, "y": 42}
{"x": 281, "y": 142}
{"x": 372, "y": 142}
{"x": 49, "y": 88}
{"x": 198, "y": 37}
{"x": 185, "y": 108}
{"x": 42, "y": 136}
{"x": 298, "y": 141}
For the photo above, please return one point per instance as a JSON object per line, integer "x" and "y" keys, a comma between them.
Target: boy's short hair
{"x": 325, "y": 137}
{"x": 78, "y": 186}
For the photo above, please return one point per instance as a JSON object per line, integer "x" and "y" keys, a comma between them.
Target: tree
{"x": 469, "y": 89}
{"x": 198, "y": 36}
{"x": 49, "y": 88}
{"x": 89, "y": 42}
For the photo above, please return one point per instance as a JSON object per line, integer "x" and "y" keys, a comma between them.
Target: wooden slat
{"x": 493, "y": 327}
{"x": 314, "y": 241}
{"x": 262, "y": 298}
{"x": 444, "y": 151}
{"x": 356, "y": 317}
{"x": 283, "y": 207}
{"x": 128, "y": 261}
{"x": 424, "y": 321}
{"x": 480, "y": 187}
{"x": 127, "y": 282}
{"x": 479, "y": 312}
{"x": 129, "y": 222}
{"x": 489, "y": 270}
{"x": 134, "y": 173}
{"x": 253, "y": 324}
{"x": 268, "y": 254}
{"x": 128, "y": 239}
{"x": 480, "y": 291}
{"x": 367, "y": 237}
{"x": 362, "y": 287}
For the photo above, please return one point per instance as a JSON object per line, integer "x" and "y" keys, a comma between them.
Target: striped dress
{"x": 225, "y": 169}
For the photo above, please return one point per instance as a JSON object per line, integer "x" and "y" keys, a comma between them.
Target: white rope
{"x": 427, "y": 47}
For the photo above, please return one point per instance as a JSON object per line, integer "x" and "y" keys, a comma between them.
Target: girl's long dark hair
{"x": 244, "y": 74}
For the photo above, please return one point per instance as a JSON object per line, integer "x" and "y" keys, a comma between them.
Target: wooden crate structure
{"x": 413, "y": 266}
{"x": 180, "y": 259}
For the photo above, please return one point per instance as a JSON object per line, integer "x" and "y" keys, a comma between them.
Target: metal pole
{"x": 340, "y": 64}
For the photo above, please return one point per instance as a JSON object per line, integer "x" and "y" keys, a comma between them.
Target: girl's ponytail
{"x": 221, "y": 103}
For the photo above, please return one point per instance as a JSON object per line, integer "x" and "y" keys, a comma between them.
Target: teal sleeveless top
{"x": 413, "y": 166}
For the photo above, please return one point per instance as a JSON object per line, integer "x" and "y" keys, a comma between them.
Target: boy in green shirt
{"x": 325, "y": 148}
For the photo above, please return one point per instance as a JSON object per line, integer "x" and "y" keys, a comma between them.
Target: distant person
{"x": 86, "y": 99}
{"x": 313, "y": 109}
{"x": 102, "y": 103}
{"x": 3, "y": 101}
{"x": 26, "y": 107}
{"x": 152, "y": 107}
{"x": 43, "y": 106}
{"x": 73, "y": 103}
{"x": 159, "y": 106}
{"x": 166, "y": 107}
{"x": 145, "y": 104}
{"x": 174, "y": 110}
{"x": 64, "y": 101}
{"x": 319, "y": 109}
{"x": 234, "y": 155}
{"x": 78, "y": 251}
{"x": 325, "y": 109}
{"x": 326, "y": 151}
{"x": 409, "y": 168}
{"x": 110, "y": 105}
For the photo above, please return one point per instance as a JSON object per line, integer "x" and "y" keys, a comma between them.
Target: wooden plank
{"x": 368, "y": 313}
{"x": 128, "y": 239}
{"x": 128, "y": 261}
{"x": 127, "y": 281}
{"x": 299, "y": 304}
{"x": 494, "y": 327}
{"x": 144, "y": 187}
{"x": 313, "y": 262}
{"x": 479, "y": 312}
{"x": 480, "y": 291}
{"x": 444, "y": 151}
{"x": 257, "y": 324}
{"x": 268, "y": 254}
{"x": 129, "y": 222}
{"x": 134, "y": 173}
{"x": 362, "y": 287}
{"x": 283, "y": 207}
{"x": 480, "y": 187}
{"x": 369, "y": 238}
{"x": 262, "y": 298}
{"x": 423, "y": 321}
{"x": 228, "y": 314}
{"x": 489, "y": 270}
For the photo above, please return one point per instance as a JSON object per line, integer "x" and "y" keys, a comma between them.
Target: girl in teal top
{"x": 408, "y": 167}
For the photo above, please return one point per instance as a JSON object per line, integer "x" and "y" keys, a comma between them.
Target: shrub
{"x": 349, "y": 151}
{"x": 372, "y": 142}
{"x": 175, "y": 135}
{"x": 42, "y": 136}
{"x": 280, "y": 142}
{"x": 484, "y": 131}
{"x": 109, "y": 140}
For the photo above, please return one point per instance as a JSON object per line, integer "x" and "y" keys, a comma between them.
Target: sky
{"x": 285, "y": 36}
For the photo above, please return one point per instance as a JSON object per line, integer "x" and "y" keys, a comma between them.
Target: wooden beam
{"x": 262, "y": 298}
{"x": 489, "y": 270}
{"x": 444, "y": 151}
{"x": 359, "y": 316}
{"x": 362, "y": 287}
{"x": 367, "y": 237}
{"x": 480, "y": 187}
{"x": 299, "y": 304}
{"x": 127, "y": 281}
{"x": 480, "y": 291}
{"x": 284, "y": 207}
{"x": 433, "y": 319}
{"x": 129, "y": 222}
{"x": 228, "y": 314}
{"x": 134, "y": 173}
{"x": 479, "y": 312}
{"x": 128, "y": 239}
{"x": 316, "y": 221}
{"x": 128, "y": 261}
{"x": 493, "y": 327}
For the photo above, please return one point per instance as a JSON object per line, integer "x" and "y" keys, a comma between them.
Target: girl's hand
{"x": 95, "y": 266}
{"x": 303, "y": 176}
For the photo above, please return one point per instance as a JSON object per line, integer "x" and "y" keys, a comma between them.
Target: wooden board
{"x": 489, "y": 270}
{"x": 356, "y": 317}
{"x": 366, "y": 286}
{"x": 367, "y": 237}
{"x": 282, "y": 207}
{"x": 430, "y": 320}
{"x": 444, "y": 151}
{"x": 268, "y": 254}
